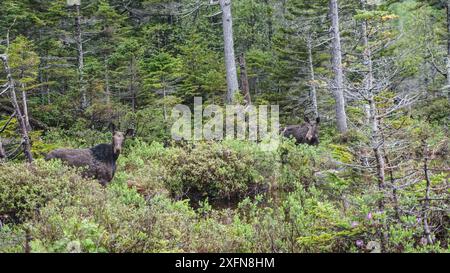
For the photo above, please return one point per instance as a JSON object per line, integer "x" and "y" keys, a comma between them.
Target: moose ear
{"x": 317, "y": 120}
{"x": 112, "y": 127}
{"x": 307, "y": 120}
{"x": 130, "y": 132}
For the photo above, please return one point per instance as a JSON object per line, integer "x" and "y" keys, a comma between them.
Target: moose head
{"x": 312, "y": 135}
{"x": 118, "y": 139}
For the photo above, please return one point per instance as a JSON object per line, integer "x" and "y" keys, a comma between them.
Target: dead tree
{"x": 377, "y": 74}
{"x": 10, "y": 86}
{"x": 426, "y": 201}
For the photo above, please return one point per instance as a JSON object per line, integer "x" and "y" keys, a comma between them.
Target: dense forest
{"x": 370, "y": 173}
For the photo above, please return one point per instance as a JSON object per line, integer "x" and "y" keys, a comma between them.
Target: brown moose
{"x": 99, "y": 160}
{"x": 306, "y": 133}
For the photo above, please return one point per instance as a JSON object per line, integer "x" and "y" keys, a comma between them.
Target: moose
{"x": 307, "y": 133}
{"x": 100, "y": 161}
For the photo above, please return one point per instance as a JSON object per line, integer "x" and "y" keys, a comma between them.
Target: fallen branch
{"x": 36, "y": 123}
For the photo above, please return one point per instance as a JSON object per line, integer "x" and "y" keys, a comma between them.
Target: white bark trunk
{"x": 230, "y": 61}
{"x": 312, "y": 78}
{"x": 25, "y": 108}
{"x": 337, "y": 84}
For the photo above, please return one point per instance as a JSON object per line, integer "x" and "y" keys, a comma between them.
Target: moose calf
{"x": 307, "y": 133}
{"x": 99, "y": 160}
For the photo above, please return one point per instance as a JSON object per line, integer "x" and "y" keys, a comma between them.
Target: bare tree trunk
{"x": 230, "y": 61}
{"x": 381, "y": 165}
{"x": 377, "y": 140}
{"x": 337, "y": 85}
{"x": 312, "y": 77}
{"x": 25, "y": 108}
{"x": 394, "y": 189}
{"x": 244, "y": 80}
{"x": 26, "y": 144}
{"x": 79, "y": 41}
{"x": 367, "y": 55}
{"x": 426, "y": 203}
{"x": 376, "y": 146}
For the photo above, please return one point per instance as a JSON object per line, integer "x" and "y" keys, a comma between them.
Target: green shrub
{"x": 290, "y": 200}
{"x": 24, "y": 189}
{"x": 300, "y": 163}
{"x": 212, "y": 170}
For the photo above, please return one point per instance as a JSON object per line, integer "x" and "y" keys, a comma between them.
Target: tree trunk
{"x": 381, "y": 165}
{"x": 337, "y": 85}
{"x": 312, "y": 77}
{"x": 79, "y": 41}
{"x": 230, "y": 62}
{"x": 377, "y": 141}
{"x": 392, "y": 179}
{"x": 244, "y": 80}
{"x": 367, "y": 55}
{"x": 26, "y": 144}
{"x": 25, "y": 108}
{"x": 426, "y": 202}
{"x": 376, "y": 146}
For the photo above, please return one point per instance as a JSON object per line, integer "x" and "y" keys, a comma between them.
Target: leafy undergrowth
{"x": 164, "y": 200}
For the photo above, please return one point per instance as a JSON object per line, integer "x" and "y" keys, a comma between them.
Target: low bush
{"x": 48, "y": 207}
{"x": 24, "y": 189}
